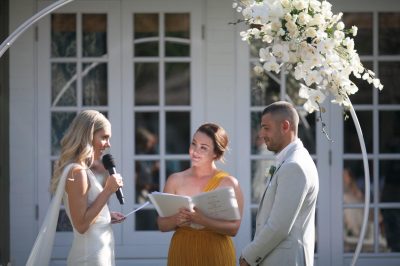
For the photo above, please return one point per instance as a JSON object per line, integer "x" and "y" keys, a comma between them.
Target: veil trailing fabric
{"x": 41, "y": 250}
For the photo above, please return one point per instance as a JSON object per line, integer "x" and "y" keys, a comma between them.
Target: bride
{"x": 84, "y": 197}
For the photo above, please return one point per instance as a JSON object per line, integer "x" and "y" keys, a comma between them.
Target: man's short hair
{"x": 283, "y": 111}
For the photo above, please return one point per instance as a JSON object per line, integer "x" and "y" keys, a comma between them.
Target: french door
{"x": 139, "y": 63}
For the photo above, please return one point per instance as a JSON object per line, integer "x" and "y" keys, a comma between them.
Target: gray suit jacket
{"x": 285, "y": 223}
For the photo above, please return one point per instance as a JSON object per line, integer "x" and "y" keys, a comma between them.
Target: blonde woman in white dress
{"x": 85, "y": 199}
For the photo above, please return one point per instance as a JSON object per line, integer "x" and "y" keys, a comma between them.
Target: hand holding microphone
{"x": 109, "y": 164}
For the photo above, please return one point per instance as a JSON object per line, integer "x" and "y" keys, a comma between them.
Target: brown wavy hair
{"x": 218, "y": 136}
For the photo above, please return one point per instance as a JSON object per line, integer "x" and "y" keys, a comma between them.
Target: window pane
{"x": 147, "y": 179}
{"x": 146, "y": 84}
{"x": 146, "y": 133}
{"x": 63, "y": 84}
{"x": 146, "y": 220}
{"x": 390, "y": 193}
{"x": 63, "y": 222}
{"x": 177, "y": 132}
{"x": 177, "y": 87}
{"x": 389, "y": 178}
{"x": 63, "y": 35}
{"x": 146, "y": 34}
{"x": 307, "y": 130}
{"x": 254, "y": 47}
{"x": 94, "y": 84}
{"x": 173, "y": 166}
{"x": 60, "y": 122}
{"x": 292, "y": 90}
{"x": 391, "y": 230}
{"x": 363, "y": 39}
{"x": 389, "y": 33}
{"x": 352, "y": 222}
{"x": 351, "y": 142}
{"x": 264, "y": 88}
{"x": 177, "y": 34}
{"x": 256, "y": 143}
{"x": 354, "y": 181}
{"x": 389, "y": 131}
{"x": 94, "y": 35}
{"x": 389, "y": 73}
{"x": 259, "y": 175}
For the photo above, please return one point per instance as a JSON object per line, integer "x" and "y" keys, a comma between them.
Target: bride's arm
{"x": 77, "y": 186}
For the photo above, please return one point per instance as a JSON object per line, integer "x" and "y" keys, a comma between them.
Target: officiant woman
{"x": 209, "y": 242}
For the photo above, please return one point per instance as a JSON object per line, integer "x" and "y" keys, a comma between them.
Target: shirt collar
{"x": 283, "y": 153}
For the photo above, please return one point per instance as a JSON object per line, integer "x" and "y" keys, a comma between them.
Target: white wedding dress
{"x": 96, "y": 246}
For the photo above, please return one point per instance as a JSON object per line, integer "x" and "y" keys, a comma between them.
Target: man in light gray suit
{"x": 285, "y": 223}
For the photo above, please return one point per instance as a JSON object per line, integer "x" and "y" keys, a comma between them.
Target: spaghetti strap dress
{"x": 199, "y": 247}
{"x": 96, "y": 246}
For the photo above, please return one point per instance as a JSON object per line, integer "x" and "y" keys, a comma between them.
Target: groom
{"x": 285, "y": 223}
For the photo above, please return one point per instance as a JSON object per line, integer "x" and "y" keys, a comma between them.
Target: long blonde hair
{"x": 77, "y": 143}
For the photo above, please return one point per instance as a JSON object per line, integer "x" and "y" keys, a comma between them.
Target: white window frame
{"x": 143, "y": 242}
{"x": 63, "y": 240}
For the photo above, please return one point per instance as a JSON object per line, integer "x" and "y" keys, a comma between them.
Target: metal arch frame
{"x": 29, "y": 22}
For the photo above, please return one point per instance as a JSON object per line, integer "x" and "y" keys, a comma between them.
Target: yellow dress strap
{"x": 213, "y": 183}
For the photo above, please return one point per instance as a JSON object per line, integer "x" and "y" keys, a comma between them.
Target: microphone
{"x": 109, "y": 164}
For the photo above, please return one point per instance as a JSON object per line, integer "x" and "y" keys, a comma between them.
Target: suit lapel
{"x": 268, "y": 184}
{"x": 297, "y": 145}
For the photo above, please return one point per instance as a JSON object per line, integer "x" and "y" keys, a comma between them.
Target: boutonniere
{"x": 272, "y": 170}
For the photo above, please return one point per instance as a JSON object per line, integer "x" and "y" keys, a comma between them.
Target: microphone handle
{"x": 119, "y": 193}
{"x": 120, "y": 196}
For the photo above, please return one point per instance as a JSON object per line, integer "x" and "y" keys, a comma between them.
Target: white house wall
{"x": 22, "y": 135}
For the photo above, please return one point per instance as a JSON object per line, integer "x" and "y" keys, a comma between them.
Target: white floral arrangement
{"x": 305, "y": 37}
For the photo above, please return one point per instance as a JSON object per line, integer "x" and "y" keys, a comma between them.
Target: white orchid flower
{"x": 340, "y": 26}
{"x": 299, "y": 72}
{"x": 258, "y": 69}
{"x": 314, "y": 98}
{"x": 354, "y": 29}
{"x": 247, "y": 13}
{"x": 285, "y": 3}
{"x": 310, "y": 32}
{"x": 303, "y": 18}
{"x": 272, "y": 65}
{"x": 299, "y": 4}
{"x": 306, "y": 37}
{"x": 281, "y": 51}
{"x": 313, "y": 77}
{"x": 264, "y": 54}
{"x": 260, "y": 12}
{"x": 315, "y": 5}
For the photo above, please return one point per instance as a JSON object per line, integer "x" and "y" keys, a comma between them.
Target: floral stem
{"x": 324, "y": 128}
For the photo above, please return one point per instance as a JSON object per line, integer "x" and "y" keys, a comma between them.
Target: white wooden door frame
{"x": 155, "y": 243}
{"x": 63, "y": 240}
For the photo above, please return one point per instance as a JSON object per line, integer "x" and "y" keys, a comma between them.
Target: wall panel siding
{"x": 22, "y": 137}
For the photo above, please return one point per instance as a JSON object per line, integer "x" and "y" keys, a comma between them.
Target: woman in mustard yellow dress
{"x": 211, "y": 244}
